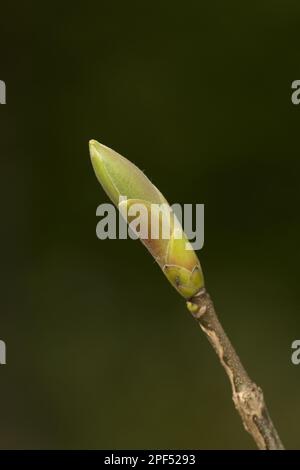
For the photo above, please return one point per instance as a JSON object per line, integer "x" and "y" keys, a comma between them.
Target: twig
{"x": 247, "y": 396}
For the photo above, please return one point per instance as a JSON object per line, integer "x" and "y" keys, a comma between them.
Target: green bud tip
{"x": 119, "y": 177}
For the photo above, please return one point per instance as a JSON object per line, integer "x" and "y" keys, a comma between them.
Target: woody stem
{"x": 247, "y": 396}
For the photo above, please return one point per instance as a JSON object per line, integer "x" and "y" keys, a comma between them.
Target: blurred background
{"x": 101, "y": 352}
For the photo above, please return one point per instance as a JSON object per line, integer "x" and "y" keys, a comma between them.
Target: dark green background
{"x": 101, "y": 352}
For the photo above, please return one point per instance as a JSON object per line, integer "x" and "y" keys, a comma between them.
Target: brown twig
{"x": 247, "y": 396}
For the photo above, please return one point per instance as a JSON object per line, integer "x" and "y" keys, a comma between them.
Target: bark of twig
{"x": 247, "y": 396}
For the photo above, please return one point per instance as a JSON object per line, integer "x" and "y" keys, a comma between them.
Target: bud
{"x": 119, "y": 177}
